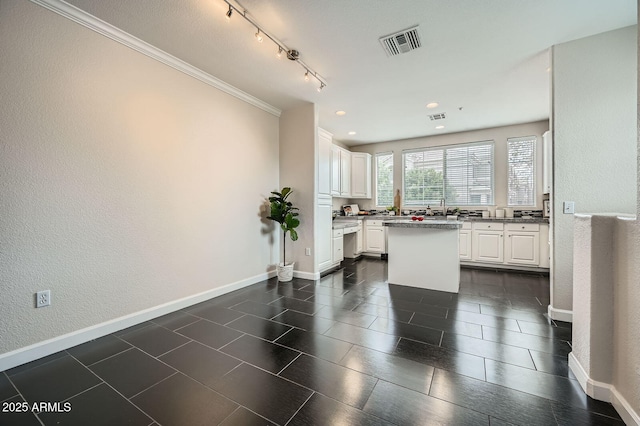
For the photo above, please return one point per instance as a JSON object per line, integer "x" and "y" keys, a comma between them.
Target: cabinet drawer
{"x": 350, "y": 230}
{"x": 488, "y": 226}
{"x": 374, "y": 223}
{"x": 466, "y": 225}
{"x": 338, "y": 233}
{"x": 529, "y": 227}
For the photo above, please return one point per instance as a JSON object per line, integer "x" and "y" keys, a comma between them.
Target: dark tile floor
{"x": 349, "y": 349}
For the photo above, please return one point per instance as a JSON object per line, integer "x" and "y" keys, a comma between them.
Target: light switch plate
{"x": 569, "y": 207}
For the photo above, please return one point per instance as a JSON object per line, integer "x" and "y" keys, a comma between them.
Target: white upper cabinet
{"x": 335, "y": 170}
{"x": 345, "y": 173}
{"x": 324, "y": 162}
{"x": 360, "y": 175}
{"x": 340, "y": 172}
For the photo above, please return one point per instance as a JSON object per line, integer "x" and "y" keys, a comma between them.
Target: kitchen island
{"x": 424, "y": 254}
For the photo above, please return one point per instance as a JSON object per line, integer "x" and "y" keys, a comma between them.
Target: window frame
{"x": 534, "y": 163}
{"x": 377, "y": 188}
{"x": 444, "y": 149}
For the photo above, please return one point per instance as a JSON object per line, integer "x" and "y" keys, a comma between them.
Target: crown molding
{"x": 89, "y": 21}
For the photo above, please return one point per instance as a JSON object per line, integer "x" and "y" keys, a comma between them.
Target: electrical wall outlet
{"x": 43, "y": 298}
{"x": 307, "y": 251}
{"x": 569, "y": 207}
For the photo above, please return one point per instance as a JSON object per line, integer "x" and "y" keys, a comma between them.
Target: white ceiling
{"x": 490, "y": 57}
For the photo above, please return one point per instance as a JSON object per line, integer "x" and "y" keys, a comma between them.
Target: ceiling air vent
{"x": 438, "y": 116}
{"x": 401, "y": 42}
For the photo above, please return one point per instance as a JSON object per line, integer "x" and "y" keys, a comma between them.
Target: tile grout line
{"x": 177, "y": 347}
{"x": 300, "y": 408}
{"x": 22, "y": 396}
{"x": 292, "y": 361}
{"x": 228, "y": 343}
{"x": 116, "y": 391}
{"x": 157, "y": 383}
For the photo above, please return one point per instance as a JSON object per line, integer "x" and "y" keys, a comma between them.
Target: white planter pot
{"x": 285, "y": 272}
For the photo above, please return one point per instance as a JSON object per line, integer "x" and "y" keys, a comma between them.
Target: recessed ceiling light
{"x": 432, "y": 105}
{"x": 439, "y": 127}
{"x": 352, "y": 133}
{"x": 341, "y": 112}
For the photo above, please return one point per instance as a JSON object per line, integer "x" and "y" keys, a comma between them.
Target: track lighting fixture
{"x": 292, "y": 54}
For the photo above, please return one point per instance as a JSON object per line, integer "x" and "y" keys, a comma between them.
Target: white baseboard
{"x": 595, "y": 389}
{"x": 69, "y": 340}
{"x": 626, "y": 411}
{"x": 307, "y": 275}
{"x": 603, "y": 392}
{"x": 560, "y": 314}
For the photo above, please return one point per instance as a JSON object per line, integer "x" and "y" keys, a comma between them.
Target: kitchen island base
{"x": 424, "y": 257}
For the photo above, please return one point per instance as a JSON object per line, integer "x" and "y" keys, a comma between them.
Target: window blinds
{"x": 462, "y": 174}
{"x": 522, "y": 166}
{"x": 384, "y": 179}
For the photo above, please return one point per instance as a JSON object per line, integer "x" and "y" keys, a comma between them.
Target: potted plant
{"x": 283, "y": 212}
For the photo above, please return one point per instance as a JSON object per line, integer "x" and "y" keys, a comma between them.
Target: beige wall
{"x": 125, "y": 184}
{"x": 497, "y": 134}
{"x": 626, "y": 313}
{"x": 297, "y": 170}
{"x": 606, "y": 248}
{"x": 626, "y": 370}
{"x": 595, "y": 150}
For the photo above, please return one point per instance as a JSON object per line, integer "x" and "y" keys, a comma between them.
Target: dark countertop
{"x": 408, "y": 223}
{"x": 441, "y": 218}
{"x": 344, "y": 224}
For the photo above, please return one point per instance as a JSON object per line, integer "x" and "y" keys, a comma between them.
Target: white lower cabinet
{"x": 324, "y": 254}
{"x": 508, "y": 244}
{"x": 374, "y": 240}
{"x": 338, "y": 244}
{"x": 464, "y": 245}
{"x": 487, "y": 244}
{"x": 360, "y": 238}
{"x": 522, "y": 244}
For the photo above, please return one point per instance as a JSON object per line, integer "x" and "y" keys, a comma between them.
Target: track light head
{"x": 292, "y": 54}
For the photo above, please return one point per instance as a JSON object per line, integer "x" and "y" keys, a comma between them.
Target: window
{"x": 384, "y": 179}
{"x": 522, "y": 170}
{"x": 461, "y": 174}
